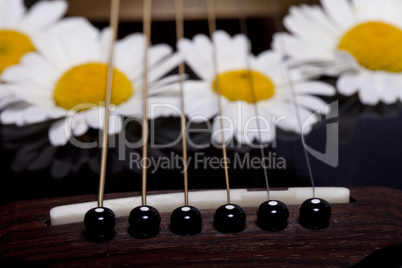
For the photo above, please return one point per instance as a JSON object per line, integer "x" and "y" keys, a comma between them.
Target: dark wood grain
{"x": 372, "y": 222}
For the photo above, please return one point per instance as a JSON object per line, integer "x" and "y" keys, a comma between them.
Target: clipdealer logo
{"x": 330, "y": 156}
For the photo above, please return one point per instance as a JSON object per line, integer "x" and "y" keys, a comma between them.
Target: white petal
{"x": 238, "y": 112}
{"x": 348, "y": 83}
{"x": 367, "y": 9}
{"x": 2, "y": 10}
{"x": 320, "y": 19}
{"x": 155, "y": 88}
{"x": 229, "y": 54}
{"x": 96, "y": 119}
{"x": 157, "y": 53}
{"x": 237, "y": 54}
{"x": 33, "y": 115}
{"x": 221, "y": 39}
{"x": 41, "y": 71}
{"x": 388, "y": 86}
{"x": 7, "y": 99}
{"x": 74, "y": 43}
{"x": 390, "y": 9}
{"x": 340, "y": 11}
{"x": 200, "y": 101}
{"x": 105, "y": 42}
{"x": 301, "y": 23}
{"x": 280, "y": 114}
{"x": 82, "y": 47}
{"x": 43, "y": 14}
{"x": 166, "y": 90}
{"x": 32, "y": 93}
{"x": 32, "y": 68}
{"x": 267, "y": 60}
{"x": 201, "y": 65}
{"x": 53, "y": 50}
{"x": 13, "y": 114}
{"x": 164, "y": 67}
{"x": 368, "y": 92}
{"x": 132, "y": 107}
{"x": 316, "y": 88}
{"x": 129, "y": 55}
{"x": 56, "y": 112}
{"x": 253, "y": 128}
{"x": 60, "y": 132}
{"x": 397, "y": 83}
{"x": 164, "y": 106}
{"x": 288, "y": 110}
{"x": 15, "y": 73}
{"x": 312, "y": 103}
{"x": 203, "y": 46}
{"x": 300, "y": 50}
{"x": 115, "y": 124}
{"x": 281, "y": 42}
{"x": 11, "y": 13}
{"x": 70, "y": 25}
{"x": 346, "y": 61}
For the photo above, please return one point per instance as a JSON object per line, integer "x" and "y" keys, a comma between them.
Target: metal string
{"x": 278, "y": 25}
{"x": 147, "y": 7}
{"x": 180, "y": 35}
{"x": 212, "y": 28}
{"x": 243, "y": 29}
{"x": 114, "y": 22}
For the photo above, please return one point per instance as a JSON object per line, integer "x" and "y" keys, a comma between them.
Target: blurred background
{"x": 370, "y": 149}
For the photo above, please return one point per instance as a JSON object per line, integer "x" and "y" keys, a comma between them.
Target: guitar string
{"x": 278, "y": 26}
{"x": 114, "y": 22}
{"x": 147, "y": 8}
{"x": 180, "y": 35}
{"x": 212, "y": 28}
{"x": 243, "y": 29}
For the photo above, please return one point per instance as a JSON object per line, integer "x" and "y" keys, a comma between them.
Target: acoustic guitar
{"x": 364, "y": 231}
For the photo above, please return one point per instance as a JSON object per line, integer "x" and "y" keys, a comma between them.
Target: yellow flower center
{"x": 375, "y": 45}
{"x": 87, "y": 84}
{"x": 236, "y": 86}
{"x": 13, "y": 45}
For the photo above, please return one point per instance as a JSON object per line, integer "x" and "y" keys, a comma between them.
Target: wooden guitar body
{"x": 370, "y": 222}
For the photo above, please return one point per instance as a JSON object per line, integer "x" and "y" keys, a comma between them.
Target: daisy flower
{"x": 22, "y": 29}
{"x": 19, "y": 27}
{"x": 65, "y": 81}
{"x": 359, "y": 41}
{"x": 236, "y": 67}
